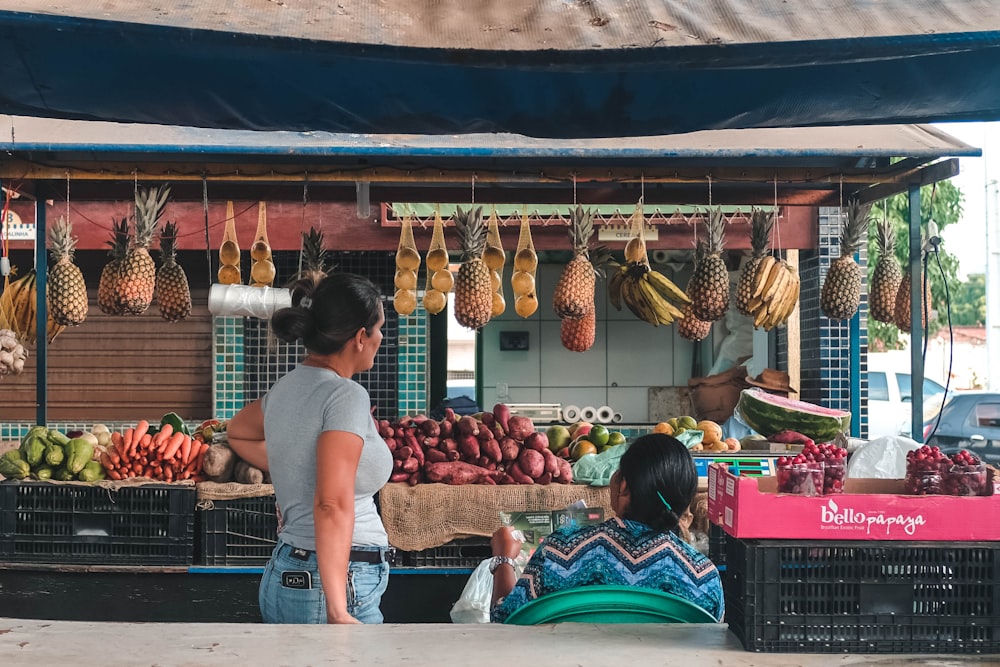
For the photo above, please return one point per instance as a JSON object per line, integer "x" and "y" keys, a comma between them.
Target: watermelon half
{"x": 768, "y": 413}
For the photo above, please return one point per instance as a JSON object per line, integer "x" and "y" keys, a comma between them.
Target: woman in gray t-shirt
{"x": 314, "y": 432}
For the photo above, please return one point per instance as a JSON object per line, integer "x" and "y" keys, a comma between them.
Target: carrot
{"x": 197, "y": 456}
{"x": 127, "y": 441}
{"x": 168, "y": 474}
{"x": 106, "y": 461}
{"x": 185, "y": 454}
{"x": 162, "y": 436}
{"x": 116, "y": 439}
{"x": 114, "y": 474}
{"x": 112, "y": 453}
{"x": 141, "y": 429}
{"x": 173, "y": 445}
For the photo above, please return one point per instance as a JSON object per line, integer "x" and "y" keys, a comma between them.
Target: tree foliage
{"x": 943, "y": 204}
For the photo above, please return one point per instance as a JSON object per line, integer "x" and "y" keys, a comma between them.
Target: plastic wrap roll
{"x": 605, "y": 414}
{"x": 247, "y": 301}
{"x": 588, "y": 413}
{"x": 617, "y": 418}
{"x": 571, "y": 414}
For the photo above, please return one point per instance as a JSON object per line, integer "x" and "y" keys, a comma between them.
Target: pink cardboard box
{"x": 869, "y": 509}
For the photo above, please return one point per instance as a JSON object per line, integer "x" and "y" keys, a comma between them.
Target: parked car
{"x": 890, "y": 395}
{"x": 970, "y": 420}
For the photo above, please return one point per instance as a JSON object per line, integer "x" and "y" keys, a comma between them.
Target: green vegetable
{"x": 13, "y": 466}
{"x": 58, "y": 437}
{"x": 33, "y": 449}
{"x": 42, "y": 473}
{"x": 175, "y": 422}
{"x": 91, "y": 472}
{"x": 54, "y": 454}
{"x": 79, "y": 452}
{"x": 63, "y": 475}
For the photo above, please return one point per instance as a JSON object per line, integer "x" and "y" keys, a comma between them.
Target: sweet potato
{"x": 467, "y": 426}
{"x": 435, "y": 456}
{"x": 385, "y": 428}
{"x": 469, "y": 447}
{"x": 415, "y": 478}
{"x": 509, "y": 449}
{"x": 403, "y": 453}
{"x": 520, "y": 428}
{"x": 431, "y": 428}
{"x": 399, "y": 476}
{"x": 544, "y": 478}
{"x": 455, "y": 472}
{"x": 518, "y": 475}
{"x": 532, "y": 463}
{"x": 447, "y": 428}
{"x": 537, "y": 441}
{"x": 431, "y": 443}
{"x": 220, "y": 463}
{"x": 390, "y": 442}
{"x": 410, "y": 465}
{"x": 399, "y": 433}
{"x": 498, "y": 432}
{"x": 551, "y": 463}
{"x": 449, "y": 415}
{"x": 565, "y": 471}
{"x": 420, "y": 419}
{"x": 418, "y": 454}
{"x": 484, "y": 435}
{"x": 488, "y": 419}
{"x": 502, "y": 415}
{"x": 454, "y": 455}
{"x": 397, "y": 465}
{"x": 491, "y": 450}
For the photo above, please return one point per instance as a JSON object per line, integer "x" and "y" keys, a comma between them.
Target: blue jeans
{"x": 366, "y": 582}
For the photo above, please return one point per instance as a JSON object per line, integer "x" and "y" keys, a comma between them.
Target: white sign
{"x": 624, "y": 233}
{"x": 16, "y": 230}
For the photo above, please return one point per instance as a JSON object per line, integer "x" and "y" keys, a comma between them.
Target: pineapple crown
{"x": 314, "y": 255}
{"x": 61, "y": 240}
{"x": 885, "y": 238}
{"x": 471, "y": 231}
{"x": 121, "y": 235}
{"x": 149, "y": 205}
{"x": 761, "y": 224}
{"x": 601, "y": 258}
{"x": 855, "y": 227}
{"x": 168, "y": 242}
{"x": 581, "y": 228}
{"x": 715, "y": 231}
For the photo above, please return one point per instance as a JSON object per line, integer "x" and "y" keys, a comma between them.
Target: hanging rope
{"x": 208, "y": 243}
{"x": 302, "y": 220}
{"x": 777, "y": 225}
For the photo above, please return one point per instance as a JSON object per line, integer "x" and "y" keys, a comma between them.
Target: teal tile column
{"x": 413, "y": 361}
{"x": 227, "y": 351}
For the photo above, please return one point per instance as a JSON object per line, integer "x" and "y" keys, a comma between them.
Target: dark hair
{"x": 335, "y": 308}
{"x": 657, "y": 465}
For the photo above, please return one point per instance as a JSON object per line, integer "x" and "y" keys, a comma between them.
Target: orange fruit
{"x": 712, "y": 431}
{"x": 581, "y": 448}
{"x": 663, "y": 427}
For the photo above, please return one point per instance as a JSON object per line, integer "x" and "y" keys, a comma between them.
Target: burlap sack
{"x": 430, "y": 515}
{"x": 232, "y": 490}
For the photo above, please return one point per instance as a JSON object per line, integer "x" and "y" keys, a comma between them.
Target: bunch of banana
{"x": 650, "y": 295}
{"x": 17, "y": 310}
{"x": 775, "y": 293}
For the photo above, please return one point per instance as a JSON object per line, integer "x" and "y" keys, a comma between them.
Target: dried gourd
{"x": 229, "y": 251}
{"x": 495, "y": 258}
{"x": 262, "y": 270}
{"x": 404, "y": 301}
{"x": 440, "y": 280}
{"x": 522, "y": 281}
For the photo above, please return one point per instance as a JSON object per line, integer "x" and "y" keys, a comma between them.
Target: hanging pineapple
{"x": 137, "y": 277}
{"x": 887, "y": 276}
{"x": 761, "y": 224}
{"x": 108, "y": 296}
{"x": 708, "y": 288}
{"x": 841, "y": 293}
{"x": 172, "y": 291}
{"x": 574, "y": 294}
{"x": 578, "y": 335}
{"x": 903, "y": 307}
{"x": 473, "y": 287}
{"x": 690, "y": 327}
{"x": 314, "y": 256}
{"x": 67, "y": 291}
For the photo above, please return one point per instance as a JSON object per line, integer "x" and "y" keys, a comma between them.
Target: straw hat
{"x": 771, "y": 380}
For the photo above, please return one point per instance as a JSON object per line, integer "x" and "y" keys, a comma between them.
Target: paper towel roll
{"x": 247, "y": 301}
{"x": 588, "y": 413}
{"x": 571, "y": 414}
{"x": 605, "y": 414}
{"x": 617, "y": 418}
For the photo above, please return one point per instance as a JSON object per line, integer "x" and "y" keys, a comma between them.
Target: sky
{"x": 978, "y": 180}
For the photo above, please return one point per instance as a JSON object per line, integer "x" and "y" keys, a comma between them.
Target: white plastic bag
{"x": 473, "y": 605}
{"x": 882, "y": 458}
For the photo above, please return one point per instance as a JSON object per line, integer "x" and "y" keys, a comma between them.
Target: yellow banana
{"x": 615, "y": 287}
{"x": 673, "y": 311}
{"x": 7, "y": 313}
{"x": 636, "y": 302}
{"x": 760, "y": 315}
{"x": 763, "y": 269}
{"x": 776, "y": 282}
{"x": 659, "y": 305}
{"x": 667, "y": 287}
{"x": 788, "y": 298}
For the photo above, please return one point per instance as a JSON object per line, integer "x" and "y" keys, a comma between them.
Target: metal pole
{"x": 41, "y": 314}
{"x": 992, "y": 296}
{"x": 916, "y": 310}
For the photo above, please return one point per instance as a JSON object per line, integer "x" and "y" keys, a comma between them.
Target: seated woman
{"x": 655, "y": 483}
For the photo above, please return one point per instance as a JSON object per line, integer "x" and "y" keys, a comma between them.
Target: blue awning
{"x": 556, "y": 69}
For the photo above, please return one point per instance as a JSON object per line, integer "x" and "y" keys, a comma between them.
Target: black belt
{"x": 357, "y": 555}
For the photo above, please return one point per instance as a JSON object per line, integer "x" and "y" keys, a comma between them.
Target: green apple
{"x": 559, "y": 437}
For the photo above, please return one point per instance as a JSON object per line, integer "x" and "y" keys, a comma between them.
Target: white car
{"x": 889, "y": 396}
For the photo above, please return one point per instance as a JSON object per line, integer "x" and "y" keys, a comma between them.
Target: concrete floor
{"x": 44, "y": 643}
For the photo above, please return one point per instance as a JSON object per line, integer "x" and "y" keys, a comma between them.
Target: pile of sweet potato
{"x": 489, "y": 448}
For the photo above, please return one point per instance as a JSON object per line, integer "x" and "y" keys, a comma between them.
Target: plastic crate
{"x": 240, "y": 531}
{"x": 863, "y": 596}
{"x": 45, "y": 522}
{"x": 459, "y": 553}
{"x": 716, "y": 544}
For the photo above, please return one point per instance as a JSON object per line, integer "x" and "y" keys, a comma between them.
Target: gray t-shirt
{"x": 301, "y": 405}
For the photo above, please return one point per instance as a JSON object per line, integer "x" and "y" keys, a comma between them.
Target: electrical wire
{"x": 951, "y": 343}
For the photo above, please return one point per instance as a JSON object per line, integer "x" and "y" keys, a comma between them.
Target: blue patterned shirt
{"x": 618, "y": 552}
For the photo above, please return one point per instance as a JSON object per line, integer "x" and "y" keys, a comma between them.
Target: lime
{"x": 616, "y": 438}
{"x": 599, "y": 435}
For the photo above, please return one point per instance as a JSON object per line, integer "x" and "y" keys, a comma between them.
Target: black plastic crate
{"x": 458, "y": 553}
{"x": 716, "y": 545}
{"x": 240, "y": 531}
{"x": 45, "y": 522}
{"x": 823, "y": 596}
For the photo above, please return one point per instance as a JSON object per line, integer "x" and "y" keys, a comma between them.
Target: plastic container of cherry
{"x": 966, "y": 477}
{"x": 818, "y": 470}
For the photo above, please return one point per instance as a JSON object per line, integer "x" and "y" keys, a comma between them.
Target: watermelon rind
{"x": 764, "y": 415}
